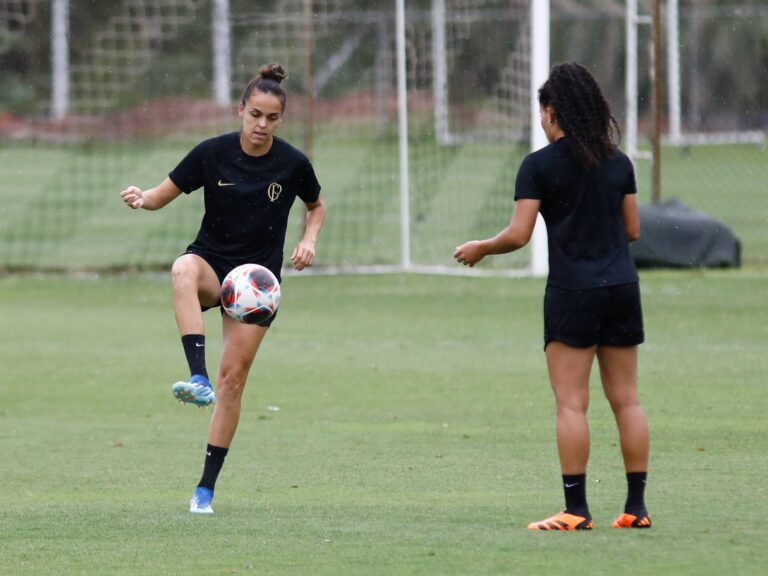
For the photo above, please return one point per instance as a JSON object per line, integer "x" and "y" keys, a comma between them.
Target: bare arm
{"x": 631, "y": 217}
{"x": 152, "y": 199}
{"x": 304, "y": 253}
{"x": 514, "y": 236}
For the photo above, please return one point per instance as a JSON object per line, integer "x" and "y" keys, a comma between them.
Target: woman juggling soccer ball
{"x": 250, "y": 180}
{"x": 585, "y": 190}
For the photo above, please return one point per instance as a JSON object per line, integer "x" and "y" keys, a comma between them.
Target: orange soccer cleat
{"x": 563, "y": 521}
{"x": 632, "y": 521}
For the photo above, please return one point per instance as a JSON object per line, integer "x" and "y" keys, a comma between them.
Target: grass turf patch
{"x": 391, "y": 425}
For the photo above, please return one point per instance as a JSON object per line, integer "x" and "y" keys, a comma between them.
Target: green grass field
{"x": 415, "y": 433}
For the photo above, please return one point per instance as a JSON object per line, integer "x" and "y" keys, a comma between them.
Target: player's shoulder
{"x": 537, "y": 158}
{"x": 618, "y": 160}
{"x": 221, "y": 141}
{"x": 287, "y": 152}
{"x": 216, "y": 146}
{"x": 620, "y": 157}
{"x": 554, "y": 149}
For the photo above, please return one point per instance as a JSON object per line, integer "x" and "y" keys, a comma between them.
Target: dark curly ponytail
{"x": 582, "y": 112}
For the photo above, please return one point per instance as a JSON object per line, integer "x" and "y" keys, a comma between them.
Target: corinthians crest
{"x": 274, "y": 191}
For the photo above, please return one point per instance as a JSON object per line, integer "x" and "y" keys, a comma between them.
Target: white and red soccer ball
{"x": 250, "y": 294}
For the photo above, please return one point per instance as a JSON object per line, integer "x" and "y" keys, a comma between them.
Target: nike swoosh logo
{"x": 222, "y": 183}
{"x": 199, "y": 345}
{"x": 207, "y": 453}
{"x": 571, "y": 485}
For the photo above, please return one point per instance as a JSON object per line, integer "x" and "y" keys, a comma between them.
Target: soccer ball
{"x": 250, "y": 294}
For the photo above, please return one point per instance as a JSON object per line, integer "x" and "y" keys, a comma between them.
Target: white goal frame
{"x": 675, "y": 136}
{"x": 539, "y": 24}
{"x": 221, "y": 91}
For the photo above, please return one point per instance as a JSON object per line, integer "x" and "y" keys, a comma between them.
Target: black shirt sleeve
{"x": 632, "y": 184}
{"x": 189, "y": 174}
{"x": 526, "y": 185}
{"x": 308, "y": 188}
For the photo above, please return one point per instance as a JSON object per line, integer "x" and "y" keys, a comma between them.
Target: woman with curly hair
{"x": 585, "y": 190}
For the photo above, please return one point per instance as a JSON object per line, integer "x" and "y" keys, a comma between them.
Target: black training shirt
{"x": 247, "y": 198}
{"x": 588, "y": 246}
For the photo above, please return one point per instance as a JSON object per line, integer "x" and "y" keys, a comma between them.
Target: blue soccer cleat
{"x": 201, "y": 501}
{"x": 197, "y": 391}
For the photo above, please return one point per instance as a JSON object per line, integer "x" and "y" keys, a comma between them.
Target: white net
{"x": 461, "y": 173}
{"x": 141, "y": 94}
{"x": 469, "y": 123}
{"x": 341, "y": 59}
{"x": 124, "y": 49}
{"x": 15, "y": 17}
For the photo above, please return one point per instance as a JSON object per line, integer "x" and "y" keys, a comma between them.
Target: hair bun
{"x": 273, "y": 72}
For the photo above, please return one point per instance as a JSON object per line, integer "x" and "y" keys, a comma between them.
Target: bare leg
{"x": 241, "y": 342}
{"x": 618, "y": 371}
{"x": 194, "y": 283}
{"x": 569, "y": 370}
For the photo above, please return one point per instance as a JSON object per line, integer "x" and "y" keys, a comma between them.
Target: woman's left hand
{"x": 303, "y": 255}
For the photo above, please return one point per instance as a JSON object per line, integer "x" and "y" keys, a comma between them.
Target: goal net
{"x": 469, "y": 112}
{"x": 141, "y": 94}
{"x": 468, "y": 121}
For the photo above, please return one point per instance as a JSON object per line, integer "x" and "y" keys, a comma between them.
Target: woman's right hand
{"x": 469, "y": 253}
{"x": 133, "y": 197}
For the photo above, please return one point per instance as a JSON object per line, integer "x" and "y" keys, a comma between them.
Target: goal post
{"x": 440, "y": 73}
{"x": 402, "y": 120}
{"x": 222, "y": 53}
{"x": 540, "y": 62}
{"x": 476, "y": 123}
{"x": 418, "y": 135}
{"x": 673, "y": 71}
{"x": 60, "y": 58}
{"x": 676, "y": 66}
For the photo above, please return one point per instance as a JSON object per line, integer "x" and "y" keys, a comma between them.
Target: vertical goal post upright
{"x": 633, "y": 19}
{"x": 60, "y": 58}
{"x": 222, "y": 53}
{"x": 440, "y": 73}
{"x": 539, "y": 29}
{"x": 656, "y": 103}
{"x": 675, "y": 134}
{"x": 540, "y": 62}
{"x": 673, "y": 71}
{"x": 402, "y": 117}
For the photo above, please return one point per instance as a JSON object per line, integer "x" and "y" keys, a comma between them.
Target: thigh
{"x": 199, "y": 271}
{"x": 241, "y": 343}
{"x": 618, "y": 372}
{"x": 569, "y": 370}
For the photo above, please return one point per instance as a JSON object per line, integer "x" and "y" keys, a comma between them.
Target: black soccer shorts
{"x": 222, "y": 267}
{"x": 610, "y": 316}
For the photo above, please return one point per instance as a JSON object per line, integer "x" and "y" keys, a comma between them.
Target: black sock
{"x": 194, "y": 350}
{"x": 635, "y": 504}
{"x": 214, "y": 460}
{"x": 575, "y": 487}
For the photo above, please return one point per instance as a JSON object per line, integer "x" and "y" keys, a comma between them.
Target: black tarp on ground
{"x": 673, "y": 235}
